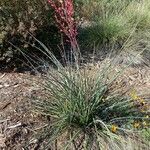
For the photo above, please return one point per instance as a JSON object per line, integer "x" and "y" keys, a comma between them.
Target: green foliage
{"x": 86, "y": 103}
{"x": 118, "y": 23}
{"x": 111, "y": 31}
{"x": 146, "y": 134}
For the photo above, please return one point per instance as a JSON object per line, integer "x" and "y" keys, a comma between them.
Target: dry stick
{"x": 2, "y": 75}
{"x": 15, "y": 126}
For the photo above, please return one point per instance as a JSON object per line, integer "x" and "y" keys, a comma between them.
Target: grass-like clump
{"x": 116, "y": 25}
{"x": 88, "y": 110}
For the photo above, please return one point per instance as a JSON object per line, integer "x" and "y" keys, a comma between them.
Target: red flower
{"x": 64, "y": 16}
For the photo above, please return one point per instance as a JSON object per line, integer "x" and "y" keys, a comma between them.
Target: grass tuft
{"x": 87, "y": 107}
{"x": 121, "y": 25}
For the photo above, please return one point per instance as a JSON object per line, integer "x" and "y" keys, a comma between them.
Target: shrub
{"x": 17, "y": 19}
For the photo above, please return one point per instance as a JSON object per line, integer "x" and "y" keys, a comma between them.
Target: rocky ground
{"x": 18, "y": 122}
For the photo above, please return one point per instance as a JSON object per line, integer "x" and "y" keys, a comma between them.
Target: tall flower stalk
{"x": 64, "y": 17}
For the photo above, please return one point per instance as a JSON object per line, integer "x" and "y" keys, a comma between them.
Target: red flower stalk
{"x": 64, "y": 16}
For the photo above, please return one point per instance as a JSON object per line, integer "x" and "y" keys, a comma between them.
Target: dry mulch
{"x": 17, "y": 121}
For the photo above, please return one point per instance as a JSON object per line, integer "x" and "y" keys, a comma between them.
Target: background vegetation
{"x": 17, "y": 20}
{"x": 116, "y": 26}
{"x": 103, "y": 25}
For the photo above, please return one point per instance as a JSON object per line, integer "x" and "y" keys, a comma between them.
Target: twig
{"x": 14, "y": 126}
{"x": 2, "y": 75}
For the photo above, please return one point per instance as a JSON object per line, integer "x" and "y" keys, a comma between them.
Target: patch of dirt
{"x": 17, "y": 121}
